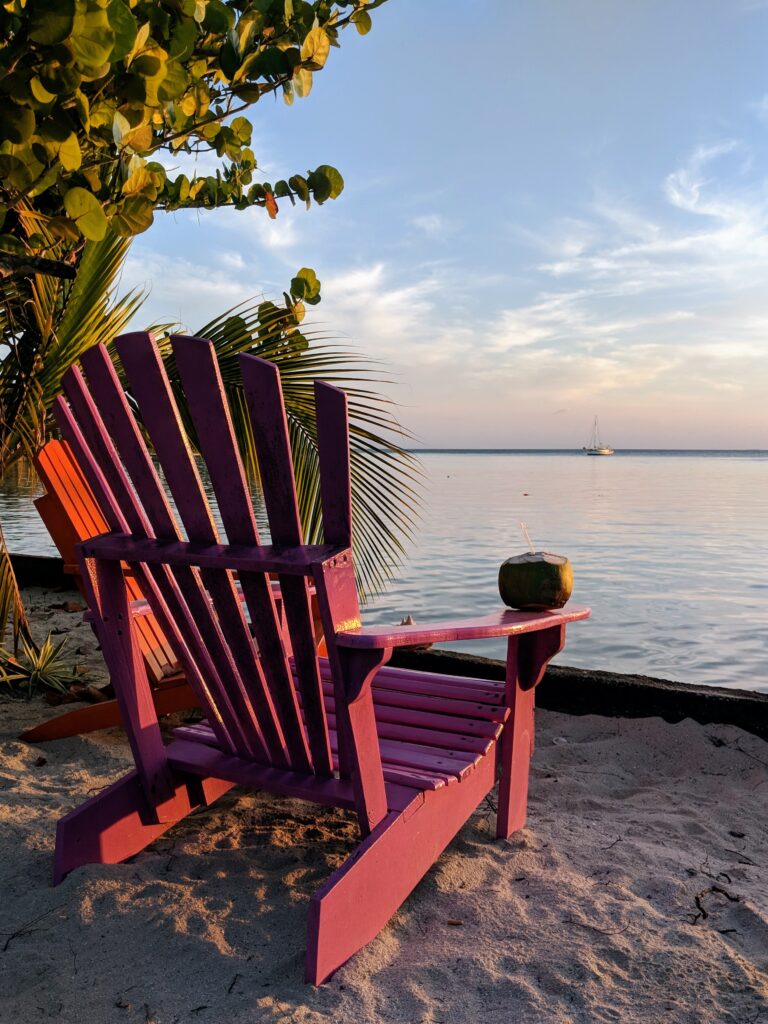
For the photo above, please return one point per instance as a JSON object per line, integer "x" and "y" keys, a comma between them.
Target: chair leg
{"x": 167, "y": 698}
{"x": 516, "y": 750}
{"x": 357, "y": 900}
{"x": 111, "y": 826}
{"x": 527, "y": 658}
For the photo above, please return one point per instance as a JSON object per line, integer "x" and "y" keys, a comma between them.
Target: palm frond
{"x": 47, "y": 323}
{"x": 11, "y": 604}
{"x": 386, "y": 478}
{"x": 56, "y": 321}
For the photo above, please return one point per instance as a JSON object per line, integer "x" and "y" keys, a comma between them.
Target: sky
{"x": 554, "y": 209}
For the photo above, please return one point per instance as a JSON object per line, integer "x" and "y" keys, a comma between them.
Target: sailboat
{"x": 596, "y": 446}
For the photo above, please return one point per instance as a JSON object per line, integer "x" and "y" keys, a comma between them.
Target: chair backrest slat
{"x": 266, "y": 410}
{"x": 107, "y": 429}
{"x": 71, "y": 513}
{"x": 62, "y": 476}
{"x": 339, "y": 604}
{"x": 160, "y": 416}
{"x": 333, "y": 453}
{"x": 113, "y": 408}
{"x": 226, "y": 635}
{"x": 207, "y": 404}
{"x": 152, "y": 390}
{"x": 156, "y": 583}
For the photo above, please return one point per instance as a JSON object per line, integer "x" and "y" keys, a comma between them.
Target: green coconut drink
{"x": 536, "y": 581}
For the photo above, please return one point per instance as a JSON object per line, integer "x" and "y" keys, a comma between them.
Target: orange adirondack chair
{"x": 72, "y": 515}
{"x": 411, "y": 753}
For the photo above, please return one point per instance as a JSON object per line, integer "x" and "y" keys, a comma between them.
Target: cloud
{"x": 654, "y": 310}
{"x": 373, "y": 309}
{"x": 184, "y": 291}
{"x": 431, "y": 224}
{"x": 720, "y": 237}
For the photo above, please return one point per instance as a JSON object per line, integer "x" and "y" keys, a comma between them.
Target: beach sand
{"x": 637, "y": 892}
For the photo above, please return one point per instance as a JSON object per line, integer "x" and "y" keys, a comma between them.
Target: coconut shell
{"x": 536, "y": 581}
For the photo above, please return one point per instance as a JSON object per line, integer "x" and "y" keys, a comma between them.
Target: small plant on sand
{"x": 37, "y": 668}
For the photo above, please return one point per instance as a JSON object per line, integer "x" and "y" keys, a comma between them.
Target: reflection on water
{"x": 667, "y": 548}
{"x": 22, "y": 526}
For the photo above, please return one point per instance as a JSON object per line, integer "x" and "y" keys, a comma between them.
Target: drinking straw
{"x": 527, "y": 537}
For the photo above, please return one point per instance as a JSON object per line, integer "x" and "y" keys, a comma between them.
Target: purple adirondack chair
{"x": 412, "y": 753}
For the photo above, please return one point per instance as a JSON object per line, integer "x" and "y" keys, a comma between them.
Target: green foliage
{"x": 47, "y": 324}
{"x": 38, "y": 668}
{"x": 52, "y": 322}
{"x": 90, "y": 90}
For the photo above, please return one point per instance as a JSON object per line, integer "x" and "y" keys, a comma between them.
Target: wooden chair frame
{"x": 345, "y": 732}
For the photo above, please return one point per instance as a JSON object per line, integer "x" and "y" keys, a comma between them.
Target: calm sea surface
{"x": 668, "y": 548}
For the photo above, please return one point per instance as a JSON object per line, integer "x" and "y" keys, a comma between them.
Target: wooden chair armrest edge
{"x": 497, "y": 624}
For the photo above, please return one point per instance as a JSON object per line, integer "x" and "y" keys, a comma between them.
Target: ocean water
{"x": 669, "y": 549}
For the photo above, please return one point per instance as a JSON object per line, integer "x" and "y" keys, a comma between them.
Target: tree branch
{"x": 13, "y": 268}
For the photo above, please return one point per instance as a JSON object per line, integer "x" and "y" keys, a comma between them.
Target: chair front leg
{"x": 358, "y": 736}
{"x": 527, "y": 658}
{"x": 116, "y": 632}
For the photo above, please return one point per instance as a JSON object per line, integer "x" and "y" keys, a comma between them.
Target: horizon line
{"x": 453, "y": 448}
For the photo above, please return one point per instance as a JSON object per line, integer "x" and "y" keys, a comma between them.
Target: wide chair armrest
{"x": 500, "y": 623}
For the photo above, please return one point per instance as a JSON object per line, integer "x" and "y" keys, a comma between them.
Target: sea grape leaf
{"x": 16, "y": 123}
{"x": 133, "y": 216}
{"x": 51, "y": 21}
{"x": 70, "y": 154}
{"x": 85, "y": 210}
{"x": 315, "y": 49}
{"x": 125, "y": 29}
{"x": 305, "y": 286}
{"x": 362, "y": 22}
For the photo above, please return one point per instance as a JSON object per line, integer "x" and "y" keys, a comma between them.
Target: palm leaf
{"x": 47, "y": 324}
{"x": 60, "y": 320}
{"x": 11, "y": 603}
{"x": 386, "y": 478}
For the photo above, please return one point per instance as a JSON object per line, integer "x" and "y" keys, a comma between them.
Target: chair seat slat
{"x": 396, "y": 771}
{"x": 480, "y": 730}
{"x": 450, "y": 720}
{"x": 204, "y": 760}
{"x": 484, "y": 693}
{"x": 451, "y": 740}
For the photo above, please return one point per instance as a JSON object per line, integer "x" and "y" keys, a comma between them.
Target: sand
{"x": 637, "y": 892}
